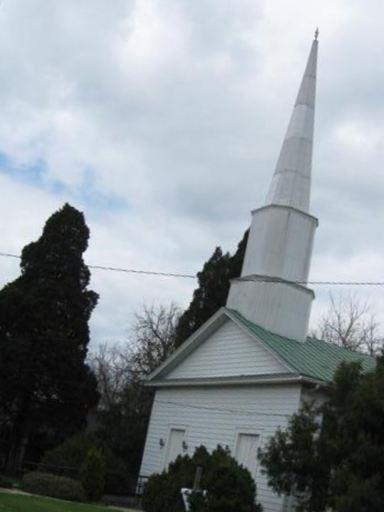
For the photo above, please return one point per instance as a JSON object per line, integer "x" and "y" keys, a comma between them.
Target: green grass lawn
{"x": 22, "y": 503}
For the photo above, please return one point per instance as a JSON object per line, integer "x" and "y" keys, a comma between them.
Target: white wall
{"x": 228, "y": 352}
{"x": 278, "y": 307}
{"x": 280, "y": 243}
{"x": 214, "y": 416}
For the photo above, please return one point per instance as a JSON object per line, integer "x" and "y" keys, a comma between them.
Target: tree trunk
{"x": 16, "y": 454}
{"x": 18, "y": 441}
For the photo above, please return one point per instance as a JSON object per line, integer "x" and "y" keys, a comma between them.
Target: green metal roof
{"x": 312, "y": 358}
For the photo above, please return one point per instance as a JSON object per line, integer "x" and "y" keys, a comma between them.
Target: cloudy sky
{"x": 162, "y": 120}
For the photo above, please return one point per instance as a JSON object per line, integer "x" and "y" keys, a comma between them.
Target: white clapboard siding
{"x": 229, "y": 351}
{"x": 217, "y": 415}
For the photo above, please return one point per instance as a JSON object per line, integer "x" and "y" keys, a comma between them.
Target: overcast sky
{"x": 162, "y": 121}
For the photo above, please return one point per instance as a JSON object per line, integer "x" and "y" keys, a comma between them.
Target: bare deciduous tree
{"x": 352, "y": 324}
{"x": 110, "y": 364}
{"x": 151, "y": 340}
{"x": 126, "y": 404}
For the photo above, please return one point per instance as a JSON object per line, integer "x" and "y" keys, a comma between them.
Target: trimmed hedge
{"x": 230, "y": 487}
{"x": 54, "y": 486}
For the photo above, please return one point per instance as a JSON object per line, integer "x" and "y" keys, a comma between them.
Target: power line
{"x": 146, "y": 272}
{"x": 192, "y": 276}
{"x": 9, "y": 255}
{"x": 221, "y": 409}
{"x": 118, "y": 269}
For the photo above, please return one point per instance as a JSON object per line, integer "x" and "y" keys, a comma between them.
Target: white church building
{"x": 250, "y": 366}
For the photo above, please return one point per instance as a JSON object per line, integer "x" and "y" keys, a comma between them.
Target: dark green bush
{"x": 230, "y": 486}
{"x": 198, "y": 501}
{"x": 67, "y": 459}
{"x": 117, "y": 477}
{"x": 9, "y": 482}
{"x": 54, "y": 486}
{"x": 92, "y": 474}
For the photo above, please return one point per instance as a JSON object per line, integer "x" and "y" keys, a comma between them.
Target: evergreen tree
{"x": 92, "y": 474}
{"x": 357, "y": 482}
{"x": 330, "y": 457}
{"x": 212, "y": 292}
{"x": 45, "y": 383}
{"x": 236, "y": 261}
{"x": 295, "y": 461}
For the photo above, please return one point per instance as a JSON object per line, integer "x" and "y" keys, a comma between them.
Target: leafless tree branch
{"x": 151, "y": 340}
{"x": 352, "y": 324}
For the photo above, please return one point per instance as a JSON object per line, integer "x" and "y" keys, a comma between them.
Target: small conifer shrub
{"x": 92, "y": 474}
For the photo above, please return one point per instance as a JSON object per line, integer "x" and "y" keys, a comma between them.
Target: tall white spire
{"x": 271, "y": 290}
{"x": 292, "y": 178}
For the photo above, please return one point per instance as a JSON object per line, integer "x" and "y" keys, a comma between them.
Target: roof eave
{"x": 241, "y": 380}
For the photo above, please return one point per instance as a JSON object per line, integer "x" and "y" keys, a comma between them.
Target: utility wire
{"x": 220, "y": 409}
{"x": 68, "y": 399}
{"x": 202, "y": 408}
{"x": 118, "y": 269}
{"x": 9, "y": 255}
{"x": 146, "y": 272}
{"x": 192, "y": 276}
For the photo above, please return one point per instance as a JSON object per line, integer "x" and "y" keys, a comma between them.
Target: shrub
{"x": 117, "y": 477}
{"x": 230, "y": 486}
{"x": 67, "y": 459}
{"x": 93, "y": 474}
{"x": 54, "y": 486}
{"x": 10, "y": 482}
{"x": 198, "y": 502}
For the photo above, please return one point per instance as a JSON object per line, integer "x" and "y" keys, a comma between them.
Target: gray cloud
{"x": 163, "y": 120}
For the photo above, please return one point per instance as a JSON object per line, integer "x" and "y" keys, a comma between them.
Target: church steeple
{"x": 292, "y": 178}
{"x": 271, "y": 290}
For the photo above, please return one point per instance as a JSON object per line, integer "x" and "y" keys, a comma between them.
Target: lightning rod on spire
{"x": 317, "y": 33}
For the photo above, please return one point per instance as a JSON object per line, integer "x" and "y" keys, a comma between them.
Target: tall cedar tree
{"x": 212, "y": 293}
{"x": 45, "y": 384}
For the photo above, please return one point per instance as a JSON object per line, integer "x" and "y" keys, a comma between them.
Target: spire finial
{"x": 317, "y": 33}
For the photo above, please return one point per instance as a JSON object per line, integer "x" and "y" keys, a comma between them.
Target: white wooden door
{"x": 175, "y": 445}
{"x": 246, "y": 451}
